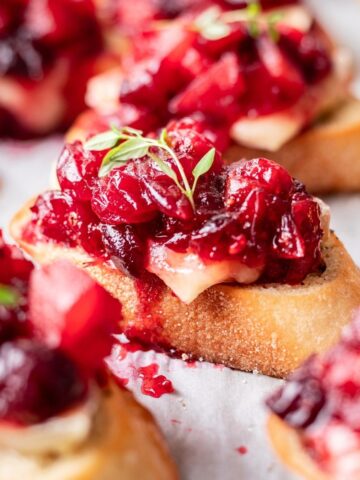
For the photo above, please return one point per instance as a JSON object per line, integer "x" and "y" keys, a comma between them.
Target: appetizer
{"x": 314, "y": 425}
{"x": 48, "y": 51}
{"x": 258, "y": 79}
{"x": 57, "y": 421}
{"x": 234, "y": 264}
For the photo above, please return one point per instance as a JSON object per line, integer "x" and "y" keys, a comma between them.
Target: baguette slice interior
{"x": 266, "y": 328}
{"x": 125, "y": 444}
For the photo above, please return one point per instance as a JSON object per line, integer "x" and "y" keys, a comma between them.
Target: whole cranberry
{"x": 126, "y": 248}
{"x": 77, "y": 169}
{"x": 190, "y": 142}
{"x": 13, "y": 322}
{"x": 120, "y": 197}
{"x": 165, "y": 195}
{"x": 61, "y": 217}
{"x": 14, "y": 267}
{"x": 37, "y": 383}
{"x": 261, "y": 171}
{"x": 215, "y": 92}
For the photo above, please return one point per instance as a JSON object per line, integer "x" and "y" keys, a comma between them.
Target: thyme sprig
{"x": 214, "y": 24}
{"x": 129, "y": 143}
{"x": 9, "y": 296}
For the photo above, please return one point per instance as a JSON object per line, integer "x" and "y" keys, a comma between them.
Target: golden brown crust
{"x": 324, "y": 157}
{"x": 124, "y": 445}
{"x": 287, "y": 444}
{"x": 270, "y": 328}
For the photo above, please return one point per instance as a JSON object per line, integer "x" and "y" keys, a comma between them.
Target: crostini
{"x": 259, "y": 80}
{"x": 314, "y": 423}
{"x": 234, "y": 264}
{"x": 49, "y": 50}
{"x": 56, "y": 420}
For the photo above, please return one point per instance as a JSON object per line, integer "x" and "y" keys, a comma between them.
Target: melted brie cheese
{"x": 271, "y": 132}
{"x": 187, "y": 275}
{"x": 103, "y": 91}
{"x": 57, "y": 435}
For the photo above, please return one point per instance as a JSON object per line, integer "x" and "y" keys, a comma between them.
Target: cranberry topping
{"x": 35, "y": 37}
{"x": 177, "y": 71}
{"x": 36, "y": 383}
{"x": 56, "y": 327}
{"x": 322, "y": 397}
{"x": 133, "y": 16}
{"x": 15, "y": 272}
{"x": 252, "y": 211}
{"x": 14, "y": 268}
{"x": 85, "y": 315}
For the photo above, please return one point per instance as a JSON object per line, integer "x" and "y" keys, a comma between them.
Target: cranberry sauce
{"x": 44, "y": 369}
{"x": 132, "y": 16}
{"x": 36, "y": 382}
{"x": 15, "y": 273}
{"x": 250, "y": 69}
{"x": 325, "y": 389}
{"x": 34, "y": 36}
{"x": 252, "y": 211}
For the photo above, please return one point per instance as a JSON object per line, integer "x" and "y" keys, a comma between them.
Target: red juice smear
{"x": 154, "y": 385}
{"x": 242, "y": 450}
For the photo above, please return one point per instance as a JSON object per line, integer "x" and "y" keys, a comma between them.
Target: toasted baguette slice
{"x": 270, "y": 328}
{"x": 287, "y": 444}
{"x": 325, "y": 157}
{"x": 125, "y": 444}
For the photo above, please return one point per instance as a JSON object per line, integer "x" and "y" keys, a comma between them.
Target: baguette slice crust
{"x": 287, "y": 443}
{"x": 267, "y": 328}
{"x": 124, "y": 445}
{"x": 325, "y": 157}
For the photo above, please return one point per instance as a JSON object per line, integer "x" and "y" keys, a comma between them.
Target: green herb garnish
{"x": 135, "y": 145}
{"x": 9, "y": 296}
{"x": 213, "y": 24}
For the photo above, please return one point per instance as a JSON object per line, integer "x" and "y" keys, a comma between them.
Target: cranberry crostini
{"x": 254, "y": 77}
{"x": 234, "y": 264}
{"x": 56, "y": 420}
{"x": 48, "y": 51}
{"x": 314, "y": 426}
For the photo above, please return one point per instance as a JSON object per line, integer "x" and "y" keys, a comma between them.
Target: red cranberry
{"x": 61, "y": 217}
{"x": 288, "y": 78}
{"x": 190, "y": 142}
{"x": 308, "y": 51}
{"x": 14, "y": 268}
{"x": 36, "y": 383}
{"x": 214, "y": 92}
{"x": 58, "y": 21}
{"x": 126, "y": 248}
{"x": 77, "y": 169}
{"x": 119, "y": 197}
{"x": 325, "y": 387}
{"x": 85, "y": 314}
{"x": 163, "y": 192}
{"x": 299, "y": 402}
{"x": 243, "y": 176}
{"x": 13, "y": 322}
